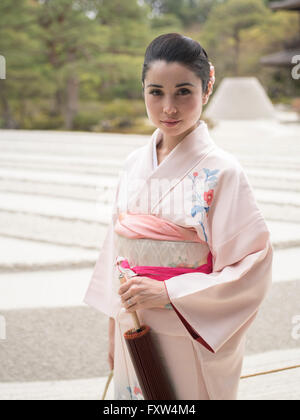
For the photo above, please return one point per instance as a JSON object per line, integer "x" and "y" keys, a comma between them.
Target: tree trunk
{"x": 237, "y": 54}
{"x": 58, "y": 106}
{"x": 71, "y": 101}
{"x": 9, "y": 121}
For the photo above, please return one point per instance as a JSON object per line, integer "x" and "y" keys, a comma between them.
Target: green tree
{"x": 188, "y": 12}
{"x": 69, "y": 38}
{"x": 89, "y": 41}
{"x": 20, "y": 47}
{"x": 225, "y": 25}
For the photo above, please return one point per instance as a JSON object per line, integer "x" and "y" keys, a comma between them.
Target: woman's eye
{"x": 154, "y": 91}
{"x": 158, "y": 92}
{"x": 186, "y": 91}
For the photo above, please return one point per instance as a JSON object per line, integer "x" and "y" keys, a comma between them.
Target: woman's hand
{"x": 143, "y": 293}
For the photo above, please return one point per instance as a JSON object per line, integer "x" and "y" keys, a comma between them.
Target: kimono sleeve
{"x": 101, "y": 293}
{"x": 213, "y": 307}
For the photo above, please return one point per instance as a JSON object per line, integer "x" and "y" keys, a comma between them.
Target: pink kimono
{"x": 201, "y": 194}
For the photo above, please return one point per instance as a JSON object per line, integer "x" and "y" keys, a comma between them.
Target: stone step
{"x": 282, "y": 381}
{"x": 276, "y": 213}
{"x": 54, "y": 148}
{"x": 284, "y": 234}
{"x": 259, "y": 139}
{"x": 281, "y": 198}
{"x": 62, "y": 288}
{"x": 271, "y": 173}
{"x": 69, "y": 161}
{"x": 27, "y": 166}
{"x": 24, "y": 255}
{"x": 84, "y": 178}
{"x": 59, "y": 138}
{"x": 281, "y": 385}
{"x": 265, "y": 163}
{"x": 61, "y": 208}
{"x": 53, "y": 230}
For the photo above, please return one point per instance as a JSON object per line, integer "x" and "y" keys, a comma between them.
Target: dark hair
{"x": 174, "y": 47}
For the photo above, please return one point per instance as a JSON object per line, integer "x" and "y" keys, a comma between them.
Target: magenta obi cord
{"x": 165, "y": 273}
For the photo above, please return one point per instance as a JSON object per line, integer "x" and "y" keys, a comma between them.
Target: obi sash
{"x": 165, "y": 273}
{"x": 145, "y": 226}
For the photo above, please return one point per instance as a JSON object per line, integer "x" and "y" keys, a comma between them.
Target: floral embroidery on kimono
{"x": 131, "y": 394}
{"x": 202, "y": 200}
{"x": 182, "y": 262}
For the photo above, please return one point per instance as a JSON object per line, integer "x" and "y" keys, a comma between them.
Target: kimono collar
{"x": 196, "y": 141}
{"x": 176, "y": 165}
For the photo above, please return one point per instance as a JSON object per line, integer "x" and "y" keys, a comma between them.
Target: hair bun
{"x": 204, "y": 52}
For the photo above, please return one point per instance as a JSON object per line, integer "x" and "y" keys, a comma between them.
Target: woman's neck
{"x": 167, "y": 143}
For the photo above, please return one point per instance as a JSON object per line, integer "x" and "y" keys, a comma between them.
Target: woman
{"x": 184, "y": 206}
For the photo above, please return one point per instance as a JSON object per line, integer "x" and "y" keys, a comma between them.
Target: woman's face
{"x": 168, "y": 101}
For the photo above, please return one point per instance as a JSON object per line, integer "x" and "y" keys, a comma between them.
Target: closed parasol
{"x": 144, "y": 355}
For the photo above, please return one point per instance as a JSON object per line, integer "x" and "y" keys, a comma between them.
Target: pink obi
{"x": 137, "y": 226}
{"x": 147, "y": 226}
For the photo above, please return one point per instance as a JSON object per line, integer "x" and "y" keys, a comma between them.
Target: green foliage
{"x": 77, "y": 64}
{"x": 227, "y": 22}
{"x": 166, "y": 23}
{"x": 188, "y": 12}
{"x": 85, "y": 121}
{"x": 116, "y": 115}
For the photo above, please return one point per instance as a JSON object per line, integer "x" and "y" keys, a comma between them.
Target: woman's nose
{"x": 169, "y": 108}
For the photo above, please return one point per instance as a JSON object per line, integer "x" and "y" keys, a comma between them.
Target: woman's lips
{"x": 171, "y": 124}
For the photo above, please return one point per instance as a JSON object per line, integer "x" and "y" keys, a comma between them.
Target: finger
{"x": 135, "y": 307}
{"x": 131, "y": 293}
{"x": 130, "y": 290}
{"x": 125, "y": 296}
{"x": 137, "y": 280}
{"x": 124, "y": 287}
{"x": 130, "y": 303}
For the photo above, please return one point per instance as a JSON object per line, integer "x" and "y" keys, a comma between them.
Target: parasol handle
{"x": 133, "y": 314}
